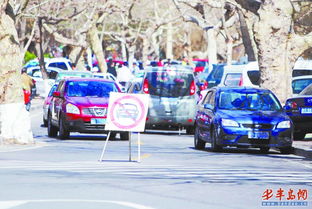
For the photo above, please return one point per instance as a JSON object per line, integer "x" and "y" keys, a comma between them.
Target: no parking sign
{"x": 126, "y": 112}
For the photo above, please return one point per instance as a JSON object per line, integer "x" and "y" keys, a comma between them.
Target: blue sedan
{"x": 242, "y": 117}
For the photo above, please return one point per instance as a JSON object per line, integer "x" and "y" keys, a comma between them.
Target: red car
{"x": 80, "y": 105}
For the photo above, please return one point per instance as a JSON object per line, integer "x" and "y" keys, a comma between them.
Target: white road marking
{"x": 281, "y": 175}
{"x": 12, "y": 204}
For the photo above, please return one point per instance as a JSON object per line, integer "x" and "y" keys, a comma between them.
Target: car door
{"x": 205, "y": 115}
{"x": 57, "y": 102}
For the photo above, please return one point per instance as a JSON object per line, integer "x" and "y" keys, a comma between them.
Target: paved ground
{"x": 301, "y": 148}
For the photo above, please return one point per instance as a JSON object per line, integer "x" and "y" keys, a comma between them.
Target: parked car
{"x": 299, "y": 83}
{"x": 46, "y": 104}
{"x": 59, "y": 62}
{"x": 172, "y": 97}
{"x": 242, "y": 117}
{"x": 109, "y": 76}
{"x": 43, "y": 86}
{"x": 80, "y": 105}
{"x": 299, "y": 109}
{"x": 235, "y": 75}
{"x": 73, "y": 74}
{"x": 302, "y": 68}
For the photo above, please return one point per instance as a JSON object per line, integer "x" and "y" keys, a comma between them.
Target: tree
{"x": 278, "y": 42}
{"x": 14, "y": 119}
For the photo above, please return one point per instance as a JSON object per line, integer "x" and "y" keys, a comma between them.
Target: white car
{"x": 109, "y": 76}
{"x": 299, "y": 83}
{"x": 59, "y": 62}
{"x": 43, "y": 85}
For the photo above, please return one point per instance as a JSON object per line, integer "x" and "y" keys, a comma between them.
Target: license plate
{"x": 306, "y": 110}
{"x": 258, "y": 135}
{"x": 98, "y": 121}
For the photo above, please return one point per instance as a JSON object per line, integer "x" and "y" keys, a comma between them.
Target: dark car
{"x": 299, "y": 110}
{"x": 80, "y": 105}
{"x": 242, "y": 117}
{"x": 172, "y": 100}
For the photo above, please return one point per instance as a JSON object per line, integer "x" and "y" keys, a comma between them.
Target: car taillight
{"x": 293, "y": 105}
{"x": 145, "y": 86}
{"x": 241, "y": 81}
{"x": 192, "y": 88}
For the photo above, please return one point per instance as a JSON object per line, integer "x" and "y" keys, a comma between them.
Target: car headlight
{"x": 229, "y": 123}
{"x": 70, "y": 108}
{"x": 284, "y": 124}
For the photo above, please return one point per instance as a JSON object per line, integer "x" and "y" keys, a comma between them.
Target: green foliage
{"x": 47, "y": 55}
{"x": 29, "y": 56}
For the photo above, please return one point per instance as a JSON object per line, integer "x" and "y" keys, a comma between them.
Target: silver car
{"x": 172, "y": 92}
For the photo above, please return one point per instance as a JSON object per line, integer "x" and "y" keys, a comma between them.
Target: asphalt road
{"x": 56, "y": 174}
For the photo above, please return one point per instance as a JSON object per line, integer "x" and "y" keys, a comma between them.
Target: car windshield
{"x": 300, "y": 84}
{"x": 90, "y": 89}
{"x": 169, "y": 83}
{"x": 248, "y": 101}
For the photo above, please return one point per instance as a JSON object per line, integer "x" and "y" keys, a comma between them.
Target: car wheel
{"x": 63, "y": 132}
{"x": 214, "y": 146}
{"x": 286, "y": 150}
{"x": 299, "y": 135}
{"x": 52, "y": 130}
{"x": 190, "y": 131}
{"x": 264, "y": 149}
{"x": 198, "y": 143}
{"x": 124, "y": 136}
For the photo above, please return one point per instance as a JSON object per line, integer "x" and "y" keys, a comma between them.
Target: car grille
{"x": 94, "y": 127}
{"x": 94, "y": 111}
{"x": 259, "y": 126}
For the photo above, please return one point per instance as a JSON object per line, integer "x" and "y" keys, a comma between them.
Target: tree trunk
{"x": 169, "y": 45}
{"x": 145, "y": 51}
{"x": 76, "y": 56}
{"x": 14, "y": 119}
{"x": 212, "y": 47}
{"x": 97, "y": 48}
{"x": 272, "y": 39}
{"x": 246, "y": 37}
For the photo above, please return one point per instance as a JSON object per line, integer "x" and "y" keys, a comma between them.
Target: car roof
{"x": 89, "y": 79}
{"x": 302, "y": 77}
{"x": 171, "y": 67}
{"x": 242, "y": 89}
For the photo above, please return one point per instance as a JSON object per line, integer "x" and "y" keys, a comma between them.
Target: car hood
{"x": 88, "y": 101}
{"x": 249, "y": 117}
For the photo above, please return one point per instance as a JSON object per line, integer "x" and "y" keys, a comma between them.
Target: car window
{"x": 248, "y": 101}
{"x": 90, "y": 89}
{"x": 300, "y": 84}
{"x": 299, "y": 72}
{"x": 60, "y": 65}
{"x": 52, "y": 90}
{"x": 232, "y": 79}
{"x": 307, "y": 90}
{"x": 254, "y": 77}
{"x": 36, "y": 73}
{"x": 214, "y": 78}
{"x": 169, "y": 83}
{"x": 52, "y": 74}
{"x": 207, "y": 99}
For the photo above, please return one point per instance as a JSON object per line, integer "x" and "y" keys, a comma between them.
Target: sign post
{"x": 126, "y": 112}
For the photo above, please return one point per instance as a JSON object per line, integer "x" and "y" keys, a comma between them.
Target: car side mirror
{"x": 56, "y": 94}
{"x": 208, "y": 106}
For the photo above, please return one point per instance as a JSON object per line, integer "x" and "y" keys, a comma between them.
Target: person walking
{"x": 27, "y": 84}
{"x": 111, "y": 68}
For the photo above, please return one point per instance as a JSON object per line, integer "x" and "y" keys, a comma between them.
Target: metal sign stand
{"x": 139, "y": 147}
{"x": 130, "y": 159}
{"x": 104, "y": 148}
